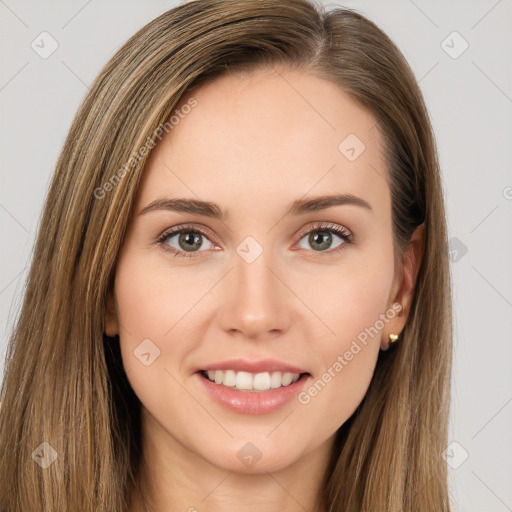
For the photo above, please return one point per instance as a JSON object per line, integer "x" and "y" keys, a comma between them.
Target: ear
{"x": 111, "y": 321}
{"x": 404, "y": 285}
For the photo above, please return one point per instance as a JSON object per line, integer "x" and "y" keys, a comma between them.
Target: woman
{"x": 240, "y": 295}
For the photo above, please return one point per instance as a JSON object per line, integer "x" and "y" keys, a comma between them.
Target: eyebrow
{"x": 209, "y": 209}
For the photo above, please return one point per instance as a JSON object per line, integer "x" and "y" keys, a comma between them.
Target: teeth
{"x": 276, "y": 380}
{"x": 245, "y": 381}
{"x": 229, "y": 378}
{"x": 261, "y": 381}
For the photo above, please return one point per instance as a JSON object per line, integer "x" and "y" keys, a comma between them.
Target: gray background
{"x": 469, "y": 97}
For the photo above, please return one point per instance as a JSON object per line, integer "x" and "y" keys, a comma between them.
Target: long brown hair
{"x": 64, "y": 382}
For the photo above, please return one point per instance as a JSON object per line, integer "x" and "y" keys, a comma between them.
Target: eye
{"x": 184, "y": 240}
{"x": 320, "y": 237}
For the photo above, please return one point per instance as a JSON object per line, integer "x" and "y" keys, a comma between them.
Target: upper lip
{"x": 263, "y": 365}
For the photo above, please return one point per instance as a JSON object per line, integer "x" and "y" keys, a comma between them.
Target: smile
{"x": 246, "y": 381}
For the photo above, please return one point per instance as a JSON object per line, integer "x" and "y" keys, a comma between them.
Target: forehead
{"x": 266, "y": 134}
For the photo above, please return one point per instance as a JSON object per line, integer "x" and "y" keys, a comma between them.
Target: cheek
{"x": 153, "y": 299}
{"x": 160, "y": 304}
{"x": 347, "y": 360}
{"x": 150, "y": 308}
{"x": 351, "y": 298}
{"x": 145, "y": 314}
{"x": 352, "y": 303}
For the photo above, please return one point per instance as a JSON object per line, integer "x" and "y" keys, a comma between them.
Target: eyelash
{"x": 343, "y": 233}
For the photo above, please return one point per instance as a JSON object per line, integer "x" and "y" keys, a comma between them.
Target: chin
{"x": 254, "y": 455}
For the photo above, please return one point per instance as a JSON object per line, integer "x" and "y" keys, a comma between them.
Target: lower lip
{"x": 256, "y": 402}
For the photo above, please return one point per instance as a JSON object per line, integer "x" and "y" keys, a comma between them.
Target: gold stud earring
{"x": 393, "y": 338}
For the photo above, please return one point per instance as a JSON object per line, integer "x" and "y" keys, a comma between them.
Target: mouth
{"x": 252, "y": 386}
{"x": 252, "y": 382}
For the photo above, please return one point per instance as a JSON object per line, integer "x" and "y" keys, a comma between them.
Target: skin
{"x": 253, "y": 144}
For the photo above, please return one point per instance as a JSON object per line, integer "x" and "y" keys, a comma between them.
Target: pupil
{"x": 318, "y": 238}
{"x": 190, "y": 239}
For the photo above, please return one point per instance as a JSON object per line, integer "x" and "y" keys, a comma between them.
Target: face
{"x": 286, "y": 301}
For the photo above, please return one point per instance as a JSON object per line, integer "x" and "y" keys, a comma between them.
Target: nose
{"x": 256, "y": 303}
